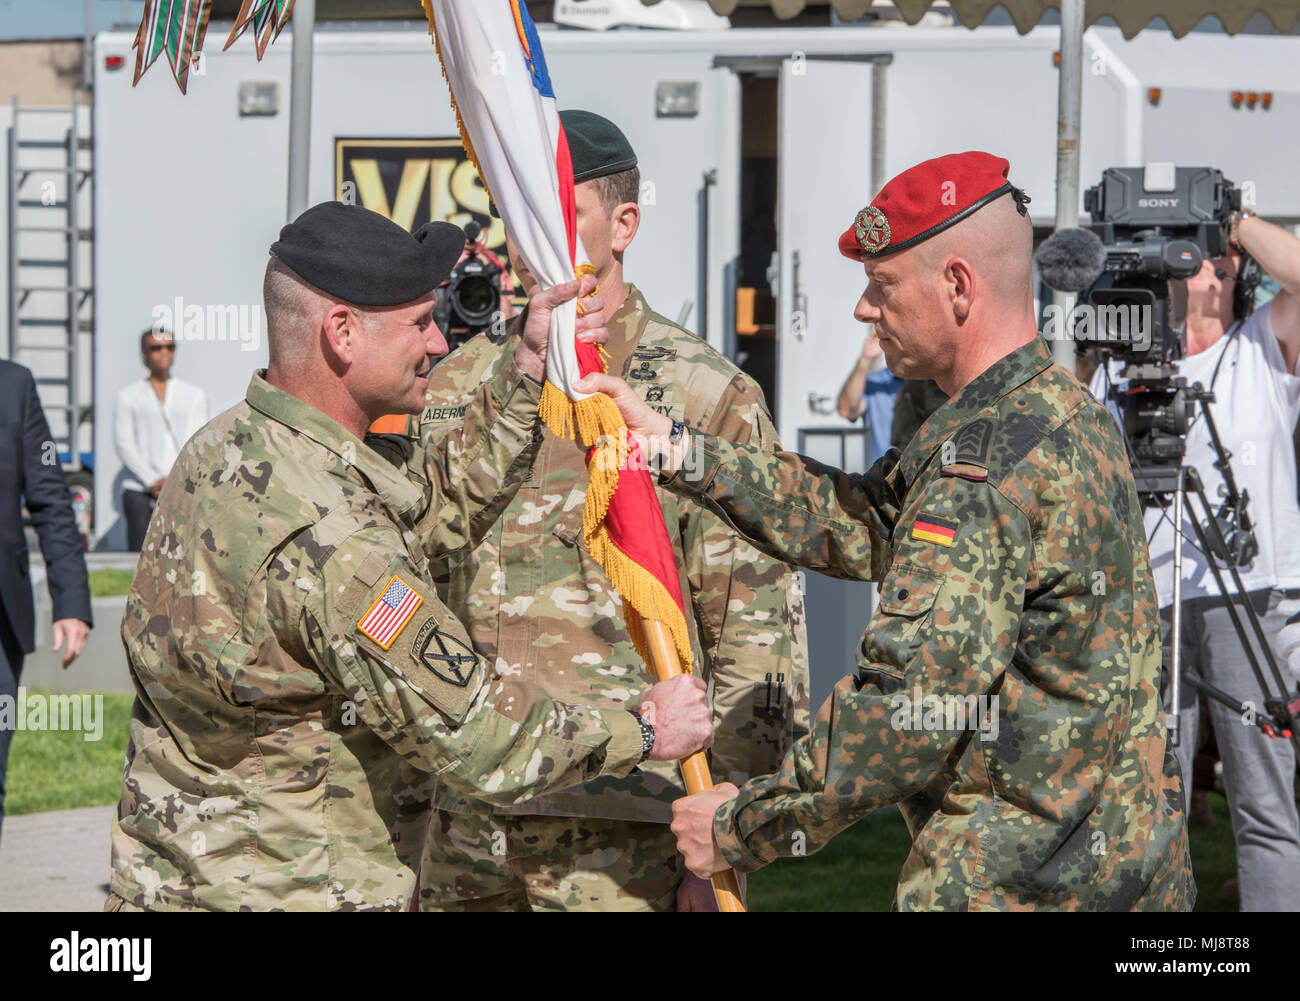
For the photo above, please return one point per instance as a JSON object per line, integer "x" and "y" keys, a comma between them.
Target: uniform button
{"x": 902, "y": 593}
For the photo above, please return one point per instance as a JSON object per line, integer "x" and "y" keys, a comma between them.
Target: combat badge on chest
{"x": 645, "y": 372}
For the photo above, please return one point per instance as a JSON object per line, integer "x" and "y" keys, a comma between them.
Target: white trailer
{"x": 787, "y": 129}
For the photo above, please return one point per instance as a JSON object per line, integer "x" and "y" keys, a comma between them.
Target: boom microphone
{"x": 1070, "y": 260}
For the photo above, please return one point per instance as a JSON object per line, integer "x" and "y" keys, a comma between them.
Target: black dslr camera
{"x": 469, "y": 301}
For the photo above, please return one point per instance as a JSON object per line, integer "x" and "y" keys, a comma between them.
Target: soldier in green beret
{"x": 537, "y": 605}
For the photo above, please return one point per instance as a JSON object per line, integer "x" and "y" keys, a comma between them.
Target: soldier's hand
{"x": 693, "y": 825}
{"x": 678, "y": 709}
{"x": 649, "y": 427}
{"x": 531, "y": 353}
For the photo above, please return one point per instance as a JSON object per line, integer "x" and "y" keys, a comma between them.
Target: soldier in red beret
{"x": 1007, "y": 694}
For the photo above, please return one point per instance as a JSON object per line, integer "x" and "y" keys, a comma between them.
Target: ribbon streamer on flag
{"x": 509, "y": 121}
{"x": 175, "y": 27}
{"x": 267, "y": 18}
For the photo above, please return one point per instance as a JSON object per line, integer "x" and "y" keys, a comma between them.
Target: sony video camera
{"x": 469, "y": 301}
{"x": 1151, "y": 228}
{"x": 1156, "y": 224}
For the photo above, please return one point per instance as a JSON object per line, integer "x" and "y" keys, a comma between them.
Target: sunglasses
{"x": 160, "y": 347}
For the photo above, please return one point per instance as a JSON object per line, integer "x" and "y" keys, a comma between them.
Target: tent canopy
{"x": 1131, "y": 15}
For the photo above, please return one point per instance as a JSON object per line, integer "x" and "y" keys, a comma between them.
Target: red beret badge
{"x": 871, "y": 229}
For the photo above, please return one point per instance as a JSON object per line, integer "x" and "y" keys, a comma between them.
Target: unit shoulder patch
{"x": 448, "y": 656}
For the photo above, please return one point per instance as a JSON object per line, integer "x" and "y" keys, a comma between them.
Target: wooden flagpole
{"x": 695, "y": 768}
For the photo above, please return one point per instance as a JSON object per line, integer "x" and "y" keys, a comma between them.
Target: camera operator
{"x": 1249, "y": 361}
{"x": 478, "y": 295}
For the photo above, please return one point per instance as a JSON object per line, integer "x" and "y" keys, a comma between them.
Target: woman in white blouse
{"x": 153, "y": 418}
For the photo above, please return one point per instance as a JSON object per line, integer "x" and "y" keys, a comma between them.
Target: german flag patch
{"x": 929, "y": 528}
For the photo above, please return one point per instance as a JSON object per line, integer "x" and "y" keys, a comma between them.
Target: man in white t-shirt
{"x": 153, "y": 418}
{"x": 1249, "y": 359}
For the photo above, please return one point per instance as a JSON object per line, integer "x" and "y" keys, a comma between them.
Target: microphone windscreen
{"x": 1070, "y": 260}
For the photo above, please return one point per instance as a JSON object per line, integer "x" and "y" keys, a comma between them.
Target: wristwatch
{"x": 647, "y": 735}
{"x": 674, "y": 439}
{"x": 1235, "y": 224}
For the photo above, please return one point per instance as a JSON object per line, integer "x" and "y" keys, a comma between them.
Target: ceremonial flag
{"x": 175, "y": 27}
{"x": 506, "y": 109}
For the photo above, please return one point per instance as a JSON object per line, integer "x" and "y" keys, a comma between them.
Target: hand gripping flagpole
{"x": 695, "y": 767}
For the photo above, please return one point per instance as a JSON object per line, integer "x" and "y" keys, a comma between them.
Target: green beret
{"x": 596, "y": 145}
{"x": 363, "y": 258}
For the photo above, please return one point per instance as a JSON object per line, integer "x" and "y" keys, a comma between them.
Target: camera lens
{"x": 475, "y": 300}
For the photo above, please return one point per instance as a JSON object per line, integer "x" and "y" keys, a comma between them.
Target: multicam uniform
{"x": 298, "y": 681}
{"x": 1008, "y": 539}
{"x": 539, "y": 608}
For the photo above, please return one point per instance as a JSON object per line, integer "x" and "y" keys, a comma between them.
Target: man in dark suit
{"x": 29, "y": 470}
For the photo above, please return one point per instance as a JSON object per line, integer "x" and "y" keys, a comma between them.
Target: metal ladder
{"x": 50, "y": 236}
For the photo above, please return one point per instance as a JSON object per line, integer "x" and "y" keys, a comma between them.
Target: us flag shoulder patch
{"x": 390, "y": 613}
{"x": 929, "y": 528}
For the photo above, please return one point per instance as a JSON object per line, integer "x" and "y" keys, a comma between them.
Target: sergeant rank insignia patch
{"x": 929, "y": 528}
{"x": 390, "y": 613}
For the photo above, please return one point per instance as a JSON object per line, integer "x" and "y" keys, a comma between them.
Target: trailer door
{"x": 823, "y": 179}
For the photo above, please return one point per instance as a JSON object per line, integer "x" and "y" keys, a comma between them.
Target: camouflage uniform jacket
{"x": 1009, "y": 544}
{"x": 540, "y": 608}
{"x": 287, "y": 717}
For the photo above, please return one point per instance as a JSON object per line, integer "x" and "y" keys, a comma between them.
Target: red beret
{"x": 925, "y": 200}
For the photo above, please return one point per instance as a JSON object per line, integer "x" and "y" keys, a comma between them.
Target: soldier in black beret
{"x": 292, "y": 657}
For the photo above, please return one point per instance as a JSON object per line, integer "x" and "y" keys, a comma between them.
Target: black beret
{"x": 596, "y": 145}
{"x": 365, "y": 259}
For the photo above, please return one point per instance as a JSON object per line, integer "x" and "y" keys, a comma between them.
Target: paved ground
{"x": 56, "y": 861}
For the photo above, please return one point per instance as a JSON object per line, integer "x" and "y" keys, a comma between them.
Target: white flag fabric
{"x": 509, "y": 120}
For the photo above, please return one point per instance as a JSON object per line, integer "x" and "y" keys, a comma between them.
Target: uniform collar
{"x": 626, "y": 324}
{"x": 399, "y": 494}
{"x": 978, "y": 397}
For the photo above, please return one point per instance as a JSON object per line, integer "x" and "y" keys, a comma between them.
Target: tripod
{"x": 1183, "y": 483}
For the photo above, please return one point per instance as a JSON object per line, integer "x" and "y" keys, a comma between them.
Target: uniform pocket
{"x": 910, "y": 591}
{"x": 894, "y": 635}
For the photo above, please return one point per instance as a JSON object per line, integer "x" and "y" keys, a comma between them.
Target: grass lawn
{"x": 50, "y": 770}
{"x": 109, "y": 583}
{"x": 857, "y": 871}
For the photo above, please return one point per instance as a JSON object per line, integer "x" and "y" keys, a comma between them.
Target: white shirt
{"x": 149, "y": 432}
{"x": 1257, "y": 402}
